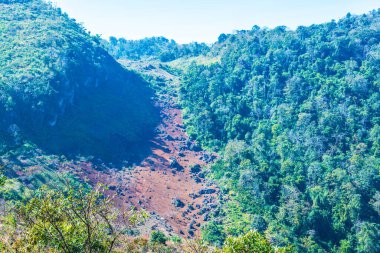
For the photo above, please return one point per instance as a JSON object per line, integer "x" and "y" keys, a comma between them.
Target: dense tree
{"x": 295, "y": 115}
{"x": 252, "y": 242}
{"x": 155, "y": 48}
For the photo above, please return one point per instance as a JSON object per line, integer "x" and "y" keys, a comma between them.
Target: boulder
{"x": 178, "y": 203}
{"x": 175, "y": 165}
{"x": 195, "y": 169}
{"x": 207, "y": 191}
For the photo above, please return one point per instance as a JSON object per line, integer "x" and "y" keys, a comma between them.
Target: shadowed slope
{"x": 61, "y": 90}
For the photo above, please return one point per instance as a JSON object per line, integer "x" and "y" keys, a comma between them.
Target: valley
{"x": 266, "y": 140}
{"x": 170, "y": 182}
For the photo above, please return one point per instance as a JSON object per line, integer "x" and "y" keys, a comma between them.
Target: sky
{"x": 203, "y": 20}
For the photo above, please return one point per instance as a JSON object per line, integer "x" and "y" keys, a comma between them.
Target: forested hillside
{"x": 296, "y": 115}
{"x": 278, "y": 149}
{"x": 68, "y": 112}
{"x": 61, "y": 90}
{"x": 153, "y": 48}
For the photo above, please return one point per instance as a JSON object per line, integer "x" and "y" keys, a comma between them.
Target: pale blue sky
{"x": 203, "y": 20}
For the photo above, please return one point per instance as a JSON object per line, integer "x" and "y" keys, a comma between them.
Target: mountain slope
{"x": 61, "y": 90}
{"x": 296, "y": 116}
{"x": 68, "y": 107}
{"x": 155, "y": 48}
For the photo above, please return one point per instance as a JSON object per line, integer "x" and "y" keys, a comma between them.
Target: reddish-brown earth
{"x": 155, "y": 183}
{"x": 178, "y": 199}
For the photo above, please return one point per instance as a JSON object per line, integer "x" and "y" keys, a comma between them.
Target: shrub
{"x": 158, "y": 237}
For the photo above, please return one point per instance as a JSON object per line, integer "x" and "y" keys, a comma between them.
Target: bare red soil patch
{"x": 178, "y": 198}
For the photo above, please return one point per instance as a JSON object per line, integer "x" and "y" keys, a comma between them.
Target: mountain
{"x": 155, "y": 48}
{"x": 62, "y": 91}
{"x": 296, "y": 117}
{"x": 289, "y": 119}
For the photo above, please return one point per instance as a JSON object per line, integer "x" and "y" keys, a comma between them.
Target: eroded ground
{"x": 169, "y": 183}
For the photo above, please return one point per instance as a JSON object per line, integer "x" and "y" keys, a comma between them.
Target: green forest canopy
{"x": 297, "y": 116}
